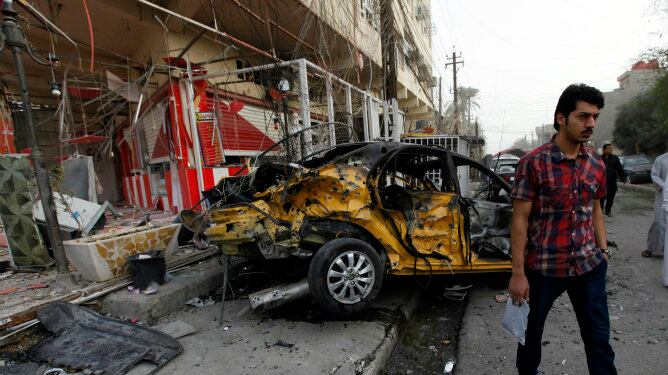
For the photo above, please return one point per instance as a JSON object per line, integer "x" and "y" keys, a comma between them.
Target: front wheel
{"x": 345, "y": 275}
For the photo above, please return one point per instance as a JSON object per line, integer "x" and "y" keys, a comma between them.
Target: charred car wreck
{"x": 357, "y": 211}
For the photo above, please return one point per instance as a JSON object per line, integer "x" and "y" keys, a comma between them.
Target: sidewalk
{"x": 636, "y": 298}
{"x": 298, "y": 338}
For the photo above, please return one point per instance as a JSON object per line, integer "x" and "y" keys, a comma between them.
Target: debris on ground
{"x": 457, "y": 292}
{"x": 23, "y": 369}
{"x": 283, "y": 344}
{"x": 82, "y": 339}
{"x": 200, "y": 303}
{"x": 449, "y": 366}
{"x": 7, "y": 291}
{"x": 37, "y": 286}
{"x": 501, "y": 298}
{"x": 176, "y": 329}
{"x": 152, "y": 288}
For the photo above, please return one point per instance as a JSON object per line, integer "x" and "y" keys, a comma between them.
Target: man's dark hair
{"x": 606, "y": 145}
{"x": 573, "y": 93}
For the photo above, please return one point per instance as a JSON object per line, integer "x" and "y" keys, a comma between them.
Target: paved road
{"x": 637, "y": 300}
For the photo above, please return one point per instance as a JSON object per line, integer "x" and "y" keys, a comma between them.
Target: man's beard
{"x": 580, "y": 137}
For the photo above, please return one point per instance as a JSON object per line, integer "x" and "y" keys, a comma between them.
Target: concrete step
{"x": 196, "y": 280}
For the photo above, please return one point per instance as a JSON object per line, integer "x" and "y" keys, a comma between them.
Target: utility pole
{"x": 13, "y": 38}
{"x": 440, "y": 104}
{"x": 468, "y": 111}
{"x": 453, "y": 61}
{"x": 532, "y": 146}
{"x": 389, "y": 59}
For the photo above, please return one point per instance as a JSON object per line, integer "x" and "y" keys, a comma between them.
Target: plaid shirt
{"x": 561, "y": 240}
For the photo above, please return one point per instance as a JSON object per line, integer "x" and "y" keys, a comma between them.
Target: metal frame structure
{"x": 303, "y": 66}
{"x": 371, "y": 106}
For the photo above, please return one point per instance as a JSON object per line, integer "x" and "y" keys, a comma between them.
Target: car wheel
{"x": 345, "y": 275}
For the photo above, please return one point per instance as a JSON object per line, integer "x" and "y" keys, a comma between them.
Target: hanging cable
{"x": 92, "y": 38}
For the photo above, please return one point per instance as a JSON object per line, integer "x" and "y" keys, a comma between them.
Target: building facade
{"x": 639, "y": 78}
{"x": 147, "y": 104}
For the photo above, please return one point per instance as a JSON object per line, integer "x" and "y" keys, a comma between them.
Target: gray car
{"x": 637, "y": 167}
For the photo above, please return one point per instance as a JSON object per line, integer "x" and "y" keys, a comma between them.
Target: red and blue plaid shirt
{"x": 561, "y": 240}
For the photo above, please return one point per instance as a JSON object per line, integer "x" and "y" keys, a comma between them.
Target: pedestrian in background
{"x": 613, "y": 170}
{"x": 656, "y": 236}
{"x": 558, "y": 236}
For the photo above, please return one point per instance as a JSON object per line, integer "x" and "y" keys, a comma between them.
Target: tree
{"x": 642, "y": 123}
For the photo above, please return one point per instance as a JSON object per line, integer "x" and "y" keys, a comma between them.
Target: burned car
{"x": 358, "y": 211}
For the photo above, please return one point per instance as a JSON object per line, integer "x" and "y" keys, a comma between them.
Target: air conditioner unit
{"x": 413, "y": 57}
{"x": 423, "y": 72}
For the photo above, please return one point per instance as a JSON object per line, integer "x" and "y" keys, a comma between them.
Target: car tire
{"x": 335, "y": 280}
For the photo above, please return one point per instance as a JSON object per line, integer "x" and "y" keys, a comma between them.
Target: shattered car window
{"x": 490, "y": 210}
{"x": 417, "y": 172}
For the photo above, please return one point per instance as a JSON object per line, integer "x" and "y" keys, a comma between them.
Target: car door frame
{"x": 381, "y": 166}
{"x": 463, "y": 200}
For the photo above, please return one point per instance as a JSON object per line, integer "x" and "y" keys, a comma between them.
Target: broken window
{"x": 408, "y": 172}
{"x": 489, "y": 209}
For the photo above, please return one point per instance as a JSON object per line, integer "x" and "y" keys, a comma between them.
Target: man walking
{"x": 558, "y": 235}
{"x": 613, "y": 169}
{"x": 657, "y": 232}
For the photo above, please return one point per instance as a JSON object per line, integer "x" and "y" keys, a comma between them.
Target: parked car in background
{"x": 507, "y": 172}
{"x": 637, "y": 167}
{"x": 505, "y": 168}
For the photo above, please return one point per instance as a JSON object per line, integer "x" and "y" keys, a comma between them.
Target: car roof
{"x": 368, "y": 152}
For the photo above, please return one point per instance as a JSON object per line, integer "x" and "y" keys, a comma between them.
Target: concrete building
{"x": 158, "y": 141}
{"x": 639, "y": 78}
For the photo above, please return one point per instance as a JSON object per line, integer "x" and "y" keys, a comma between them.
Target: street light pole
{"x": 14, "y": 38}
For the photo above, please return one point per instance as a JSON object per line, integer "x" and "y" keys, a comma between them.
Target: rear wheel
{"x": 345, "y": 275}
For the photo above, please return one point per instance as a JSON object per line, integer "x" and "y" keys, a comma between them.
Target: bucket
{"x": 149, "y": 267}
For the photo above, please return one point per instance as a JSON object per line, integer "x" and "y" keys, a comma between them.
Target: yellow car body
{"x": 419, "y": 221}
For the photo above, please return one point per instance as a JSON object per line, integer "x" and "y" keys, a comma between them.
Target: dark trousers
{"x": 606, "y": 203}
{"x": 590, "y": 303}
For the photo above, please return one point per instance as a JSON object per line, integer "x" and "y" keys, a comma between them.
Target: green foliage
{"x": 642, "y": 123}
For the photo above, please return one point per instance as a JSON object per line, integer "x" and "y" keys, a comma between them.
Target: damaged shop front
{"x": 193, "y": 132}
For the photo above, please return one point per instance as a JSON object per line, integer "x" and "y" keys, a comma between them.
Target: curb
{"x": 637, "y": 188}
{"x": 464, "y": 327}
{"x": 384, "y": 350}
